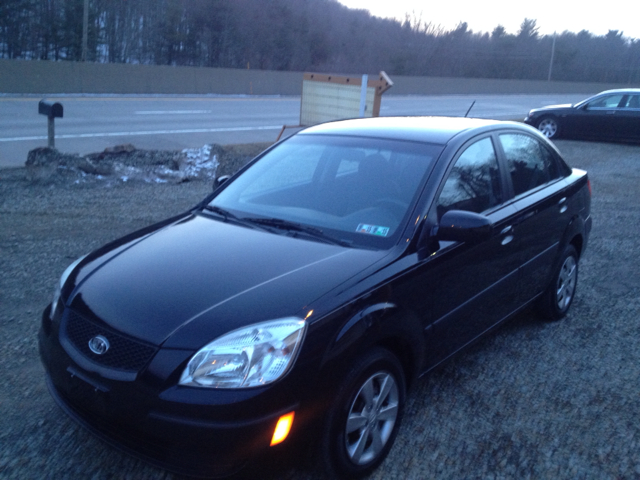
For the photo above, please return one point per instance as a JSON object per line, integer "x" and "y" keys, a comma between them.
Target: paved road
{"x": 92, "y": 123}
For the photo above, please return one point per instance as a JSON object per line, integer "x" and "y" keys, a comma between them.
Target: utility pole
{"x": 553, "y": 52}
{"x": 85, "y": 28}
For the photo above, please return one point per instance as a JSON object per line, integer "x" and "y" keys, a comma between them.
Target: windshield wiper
{"x": 220, "y": 211}
{"x": 299, "y": 228}
{"x": 228, "y": 216}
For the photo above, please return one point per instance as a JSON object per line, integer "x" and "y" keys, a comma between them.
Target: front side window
{"x": 474, "y": 182}
{"x": 530, "y": 163}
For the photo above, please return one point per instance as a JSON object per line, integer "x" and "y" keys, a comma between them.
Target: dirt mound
{"x": 125, "y": 163}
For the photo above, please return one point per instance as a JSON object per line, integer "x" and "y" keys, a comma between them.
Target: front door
{"x": 468, "y": 287}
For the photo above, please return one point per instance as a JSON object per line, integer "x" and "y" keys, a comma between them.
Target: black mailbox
{"x": 51, "y": 110}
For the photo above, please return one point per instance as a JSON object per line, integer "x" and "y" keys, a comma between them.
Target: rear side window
{"x": 474, "y": 182}
{"x": 530, "y": 163}
{"x": 633, "y": 102}
{"x": 610, "y": 101}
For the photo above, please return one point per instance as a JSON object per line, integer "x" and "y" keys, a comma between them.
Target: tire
{"x": 558, "y": 297}
{"x": 549, "y": 127}
{"x": 364, "y": 419}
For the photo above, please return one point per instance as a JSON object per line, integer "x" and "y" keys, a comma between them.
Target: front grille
{"x": 124, "y": 352}
{"x": 179, "y": 453}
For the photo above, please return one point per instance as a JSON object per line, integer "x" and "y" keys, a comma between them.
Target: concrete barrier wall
{"x": 24, "y": 76}
{"x": 46, "y": 77}
{"x": 479, "y": 86}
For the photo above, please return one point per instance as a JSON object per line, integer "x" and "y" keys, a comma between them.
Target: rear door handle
{"x": 563, "y": 204}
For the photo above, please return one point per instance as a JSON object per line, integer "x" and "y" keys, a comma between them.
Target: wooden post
{"x": 383, "y": 84}
{"x": 51, "y": 131}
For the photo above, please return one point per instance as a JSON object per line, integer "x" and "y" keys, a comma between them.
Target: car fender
{"x": 575, "y": 228}
{"x": 384, "y": 324}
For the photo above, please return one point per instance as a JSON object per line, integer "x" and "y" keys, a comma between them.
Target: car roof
{"x": 621, "y": 90}
{"x": 437, "y": 130}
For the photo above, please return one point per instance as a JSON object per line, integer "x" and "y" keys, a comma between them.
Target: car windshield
{"x": 358, "y": 191}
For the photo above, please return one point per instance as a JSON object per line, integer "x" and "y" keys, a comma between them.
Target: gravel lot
{"x": 536, "y": 400}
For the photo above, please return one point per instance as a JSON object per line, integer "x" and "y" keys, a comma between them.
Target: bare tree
{"x": 319, "y": 35}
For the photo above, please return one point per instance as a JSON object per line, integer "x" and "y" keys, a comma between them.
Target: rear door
{"x": 627, "y": 119}
{"x": 540, "y": 199}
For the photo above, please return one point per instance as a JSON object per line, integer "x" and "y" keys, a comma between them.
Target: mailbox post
{"x": 51, "y": 110}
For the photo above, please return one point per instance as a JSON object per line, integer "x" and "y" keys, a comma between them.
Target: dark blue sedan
{"x": 293, "y": 308}
{"x": 611, "y": 115}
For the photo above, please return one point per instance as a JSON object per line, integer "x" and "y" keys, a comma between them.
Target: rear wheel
{"x": 363, "y": 422}
{"x": 556, "y": 300}
{"x": 549, "y": 127}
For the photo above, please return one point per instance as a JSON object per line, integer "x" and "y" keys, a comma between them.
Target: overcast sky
{"x": 484, "y": 15}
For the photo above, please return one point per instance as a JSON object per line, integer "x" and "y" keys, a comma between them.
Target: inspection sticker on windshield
{"x": 373, "y": 230}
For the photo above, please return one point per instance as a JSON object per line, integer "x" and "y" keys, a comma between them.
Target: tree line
{"x": 304, "y": 35}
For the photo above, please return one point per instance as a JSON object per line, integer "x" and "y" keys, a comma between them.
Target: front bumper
{"x": 190, "y": 431}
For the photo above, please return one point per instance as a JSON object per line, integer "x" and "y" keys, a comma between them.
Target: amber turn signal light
{"x": 283, "y": 427}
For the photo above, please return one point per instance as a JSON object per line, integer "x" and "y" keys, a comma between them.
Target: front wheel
{"x": 549, "y": 127}
{"x": 556, "y": 300}
{"x": 363, "y": 422}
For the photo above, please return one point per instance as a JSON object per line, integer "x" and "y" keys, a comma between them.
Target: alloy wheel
{"x": 548, "y": 127}
{"x": 566, "y": 285}
{"x": 371, "y": 418}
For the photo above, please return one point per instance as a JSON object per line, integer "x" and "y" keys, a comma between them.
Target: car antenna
{"x": 472, "y": 104}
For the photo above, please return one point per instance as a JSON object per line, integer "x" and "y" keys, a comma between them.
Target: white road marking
{"x": 170, "y": 112}
{"x": 134, "y": 134}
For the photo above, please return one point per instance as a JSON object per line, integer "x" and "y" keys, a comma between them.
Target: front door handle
{"x": 507, "y": 233}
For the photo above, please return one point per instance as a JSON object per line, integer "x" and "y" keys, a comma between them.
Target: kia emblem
{"x": 99, "y": 345}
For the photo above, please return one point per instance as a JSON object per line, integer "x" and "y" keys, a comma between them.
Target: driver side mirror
{"x": 463, "y": 226}
{"x": 220, "y": 180}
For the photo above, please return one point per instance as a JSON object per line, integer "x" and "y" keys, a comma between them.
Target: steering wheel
{"x": 393, "y": 205}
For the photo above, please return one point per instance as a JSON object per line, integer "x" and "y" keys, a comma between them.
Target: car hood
{"x": 564, "y": 106}
{"x": 200, "y": 276}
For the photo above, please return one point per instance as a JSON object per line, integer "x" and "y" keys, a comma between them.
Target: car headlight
{"x": 63, "y": 279}
{"x": 251, "y": 356}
